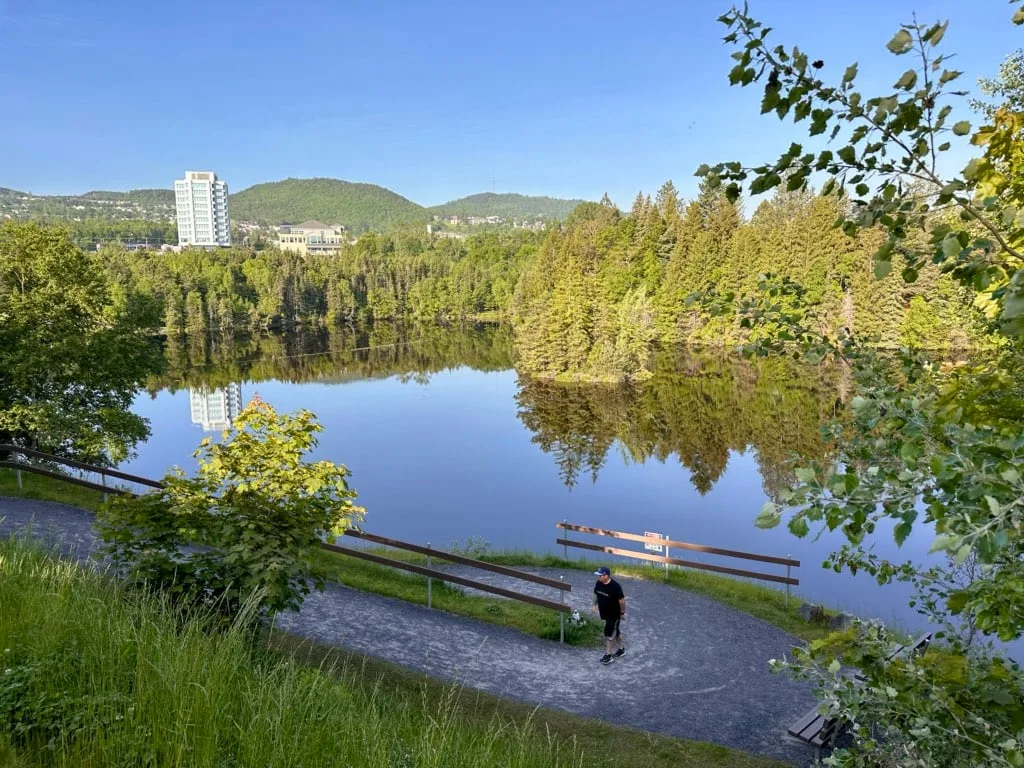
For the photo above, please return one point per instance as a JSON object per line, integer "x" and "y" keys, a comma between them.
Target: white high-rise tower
{"x": 214, "y": 409}
{"x": 202, "y": 202}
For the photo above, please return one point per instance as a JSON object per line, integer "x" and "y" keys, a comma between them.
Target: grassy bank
{"x": 48, "y": 489}
{"x": 382, "y": 580}
{"x": 764, "y": 603}
{"x": 94, "y": 675}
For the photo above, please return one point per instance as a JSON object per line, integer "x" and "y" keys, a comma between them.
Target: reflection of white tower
{"x": 215, "y": 409}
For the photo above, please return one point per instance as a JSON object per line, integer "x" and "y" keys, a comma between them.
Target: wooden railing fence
{"x": 790, "y": 563}
{"x": 428, "y": 571}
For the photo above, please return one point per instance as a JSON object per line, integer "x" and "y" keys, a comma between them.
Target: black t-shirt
{"x": 608, "y": 596}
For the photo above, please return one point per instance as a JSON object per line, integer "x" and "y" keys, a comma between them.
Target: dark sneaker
{"x": 619, "y": 653}
{"x": 607, "y": 659}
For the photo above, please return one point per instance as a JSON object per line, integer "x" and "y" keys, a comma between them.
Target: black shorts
{"x": 611, "y": 627}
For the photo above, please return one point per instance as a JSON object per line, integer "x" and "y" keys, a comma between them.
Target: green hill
{"x": 507, "y": 206}
{"x": 135, "y": 205}
{"x": 142, "y": 197}
{"x": 332, "y": 201}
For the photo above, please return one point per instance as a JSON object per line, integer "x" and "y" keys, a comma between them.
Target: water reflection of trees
{"x": 333, "y": 357}
{"x": 698, "y": 407}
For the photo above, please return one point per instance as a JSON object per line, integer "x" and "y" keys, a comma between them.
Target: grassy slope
{"x": 95, "y": 675}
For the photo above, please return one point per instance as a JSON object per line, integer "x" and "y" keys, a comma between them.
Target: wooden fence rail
{"x": 444, "y": 576}
{"x": 430, "y": 552}
{"x": 104, "y": 471}
{"x": 790, "y": 563}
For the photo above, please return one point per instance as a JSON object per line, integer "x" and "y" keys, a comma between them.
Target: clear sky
{"x": 434, "y": 100}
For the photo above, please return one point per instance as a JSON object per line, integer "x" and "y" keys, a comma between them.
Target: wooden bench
{"x": 815, "y": 729}
{"x": 820, "y": 730}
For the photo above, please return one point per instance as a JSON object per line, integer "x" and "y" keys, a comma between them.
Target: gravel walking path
{"x": 693, "y": 668}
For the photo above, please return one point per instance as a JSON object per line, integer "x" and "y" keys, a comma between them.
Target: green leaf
{"x": 901, "y": 531}
{"x": 769, "y": 517}
{"x": 908, "y": 80}
{"x": 848, "y": 155}
{"x": 1013, "y": 306}
{"x": 936, "y": 33}
{"x": 944, "y": 543}
{"x": 798, "y": 527}
{"x": 805, "y": 475}
{"x": 961, "y": 128}
{"x": 850, "y": 73}
{"x": 900, "y": 43}
{"x": 882, "y": 268}
{"x": 951, "y": 247}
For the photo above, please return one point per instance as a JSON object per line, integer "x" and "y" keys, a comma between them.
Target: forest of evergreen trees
{"x": 590, "y": 299}
{"x": 608, "y": 286}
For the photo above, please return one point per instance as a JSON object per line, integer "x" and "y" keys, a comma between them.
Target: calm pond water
{"x": 447, "y": 443}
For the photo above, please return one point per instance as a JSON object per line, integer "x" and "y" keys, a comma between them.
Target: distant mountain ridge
{"x": 359, "y": 206}
{"x": 147, "y": 204}
{"x": 508, "y": 205}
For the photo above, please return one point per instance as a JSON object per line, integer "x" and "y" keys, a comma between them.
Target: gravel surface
{"x": 693, "y": 668}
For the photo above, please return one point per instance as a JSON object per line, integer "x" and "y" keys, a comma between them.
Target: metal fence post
{"x": 103, "y": 477}
{"x": 429, "y": 580}
{"x": 788, "y": 569}
{"x": 565, "y": 547}
{"x": 561, "y": 614}
{"x": 18, "y": 471}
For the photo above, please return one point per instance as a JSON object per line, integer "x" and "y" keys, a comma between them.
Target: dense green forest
{"x": 92, "y": 233}
{"x": 360, "y": 207}
{"x": 380, "y": 277}
{"x": 607, "y": 287}
{"x": 509, "y": 206}
{"x": 590, "y": 300}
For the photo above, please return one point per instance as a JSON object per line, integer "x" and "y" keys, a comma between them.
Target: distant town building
{"x": 202, "y": 207}
{"x": 215, "y": 409}
{"x": 311, "y": 237}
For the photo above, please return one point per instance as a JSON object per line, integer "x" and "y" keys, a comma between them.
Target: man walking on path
{"x": 610, "y": 603}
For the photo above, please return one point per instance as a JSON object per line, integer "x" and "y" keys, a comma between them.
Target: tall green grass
{"x": 94, "y": 676}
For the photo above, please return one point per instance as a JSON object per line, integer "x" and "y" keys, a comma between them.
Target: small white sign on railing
{"x": 654, "y": 547}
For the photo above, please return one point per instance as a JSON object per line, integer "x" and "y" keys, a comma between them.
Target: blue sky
{"x": 434, "y": 100}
